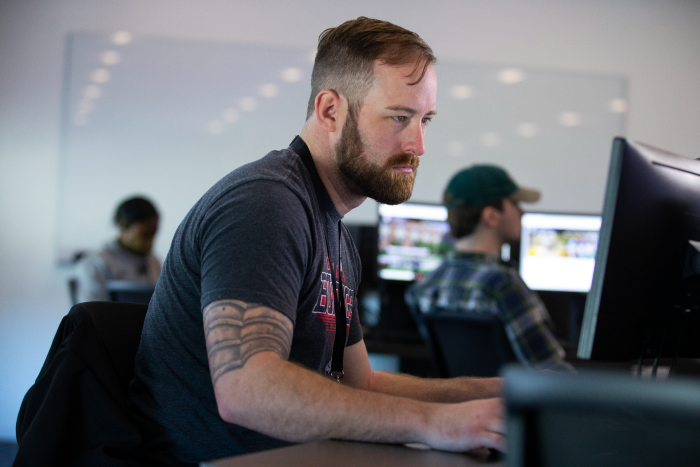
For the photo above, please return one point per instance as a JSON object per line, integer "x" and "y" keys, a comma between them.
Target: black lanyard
{"x": 339, "y": 306}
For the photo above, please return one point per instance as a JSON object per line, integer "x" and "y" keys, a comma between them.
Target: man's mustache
{"x": 403, "y": 159}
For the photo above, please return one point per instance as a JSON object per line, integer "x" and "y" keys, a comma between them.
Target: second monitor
{"x": 557, "y": 251}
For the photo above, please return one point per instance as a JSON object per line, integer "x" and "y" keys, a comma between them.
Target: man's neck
{"x": 479, "y": 243}
{"x": 324, "y": 160}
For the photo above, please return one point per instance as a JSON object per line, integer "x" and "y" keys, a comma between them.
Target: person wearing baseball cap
{"x": 483, "y": 211}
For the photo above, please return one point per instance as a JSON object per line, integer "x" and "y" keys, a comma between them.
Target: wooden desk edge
{"x": 350, "y": 453}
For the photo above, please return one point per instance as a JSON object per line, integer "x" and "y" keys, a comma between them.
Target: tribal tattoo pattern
{"x": 235, "y": 331}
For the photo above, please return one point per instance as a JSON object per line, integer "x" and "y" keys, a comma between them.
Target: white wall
{"x": 655, "y": 43}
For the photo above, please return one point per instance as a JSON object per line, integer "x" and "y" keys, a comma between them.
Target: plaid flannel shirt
{"x": 482, "y": 283}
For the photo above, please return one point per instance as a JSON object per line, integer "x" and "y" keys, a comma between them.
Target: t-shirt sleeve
{"x": 255, "y": 244}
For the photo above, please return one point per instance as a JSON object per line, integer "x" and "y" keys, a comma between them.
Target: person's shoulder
{"x": 504, "y": 276}
{"x": 493, "y": 272}
{"x": 99, "y": 258}
{"x": 282, "y": 165}
{"x": 92, "y": 264}
{"x": 481, "y": 262}
{"x": 280, "y": 170}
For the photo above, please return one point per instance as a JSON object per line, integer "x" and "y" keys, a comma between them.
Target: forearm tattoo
{"x": 235, "y": 331}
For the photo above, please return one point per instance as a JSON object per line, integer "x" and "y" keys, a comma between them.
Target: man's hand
{"x": 468, "y": 425}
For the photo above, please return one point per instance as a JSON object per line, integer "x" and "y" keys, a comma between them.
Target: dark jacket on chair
{"x": 77, "y": 412}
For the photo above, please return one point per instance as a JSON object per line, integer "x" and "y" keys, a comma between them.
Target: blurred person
{"x": 483, "y": 212}
{"x": 127, "y": 258}
{"x": 237, "y": 350}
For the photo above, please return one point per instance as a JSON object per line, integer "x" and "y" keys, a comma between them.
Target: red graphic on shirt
{"x": 325, "y": 305}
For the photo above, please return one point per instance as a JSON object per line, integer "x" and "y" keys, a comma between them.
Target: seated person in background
{"x": 127, "y": 258}
{"x": 483, "y": 214}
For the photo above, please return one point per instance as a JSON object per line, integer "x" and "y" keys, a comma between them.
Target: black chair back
{"x": 130, "y": 292}
{"x": 73, "y": 290}
{"x": 466, "y": 344}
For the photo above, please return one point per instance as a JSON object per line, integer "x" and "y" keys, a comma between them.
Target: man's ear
{"x": 328, "y": 107}
{"x": 490, "y": 216}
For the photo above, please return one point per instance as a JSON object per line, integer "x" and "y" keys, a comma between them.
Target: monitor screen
{"x": 413, "y": 239}
{"x": 557, "y": 251}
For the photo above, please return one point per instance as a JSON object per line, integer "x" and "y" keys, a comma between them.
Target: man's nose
{"x": 415, "y": 142}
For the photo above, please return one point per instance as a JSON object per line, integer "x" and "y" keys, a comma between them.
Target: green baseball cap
{"x": 482, "y": 184}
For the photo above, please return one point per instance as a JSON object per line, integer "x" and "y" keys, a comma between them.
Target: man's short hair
{"x": 346, "y": 56}
{"x": 463, "y": 221}
{"x": 134, "y": 210}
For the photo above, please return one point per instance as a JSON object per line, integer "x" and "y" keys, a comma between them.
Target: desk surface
{"x": 347, "y": 453}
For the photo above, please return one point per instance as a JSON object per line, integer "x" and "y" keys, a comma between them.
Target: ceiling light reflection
{"x": 269, "y": 90}
{"x": 92, "y": 91}
{"x": 110, "y": 57}
{"x": 248, "y": 104}
{"x": 570, "y": 119}
{"x": 85, "y": 106}
{"x": 292, "y": 74}
{"x": 121, "y": 37}
{"x": 527, "y": 130}
{"x": 618, "y": 106}
{"x": 101, "y": 75}
{"x": 490, "y": 139}
{"x": 231, "y": 115}
{"x": 461, "y": 91}
{"x": 511, "y": 75}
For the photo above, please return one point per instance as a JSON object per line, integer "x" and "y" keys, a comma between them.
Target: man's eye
{"x": 400, "y": 118}
{"x": 427, "y": 120}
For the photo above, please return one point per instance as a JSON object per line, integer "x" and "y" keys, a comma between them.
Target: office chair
{"x": 464, "y": 344}
{"x": 73, "y": 281}
{"x": 73, "y": 290}
{"x": 77, "y": 412}
{"x": 129, "y": 291}
{"x": 601, "y": 419}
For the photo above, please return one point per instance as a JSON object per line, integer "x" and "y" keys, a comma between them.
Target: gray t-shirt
{"x": 258, "y": 235}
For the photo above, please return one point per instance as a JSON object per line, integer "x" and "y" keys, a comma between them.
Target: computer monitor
{"x": 644, "y": 300}
{"x": 413, "y": 239}
{"x": 557, "y": 251}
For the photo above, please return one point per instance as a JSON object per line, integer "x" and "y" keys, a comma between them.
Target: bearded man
{"x": 264, "y": 264}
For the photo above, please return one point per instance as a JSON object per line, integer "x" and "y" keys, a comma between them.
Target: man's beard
{"x": 366, "y": 178}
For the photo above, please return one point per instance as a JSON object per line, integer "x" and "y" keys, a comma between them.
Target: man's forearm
{"x": 256, "y": 387}
{"x": 288, "y": 402}
{"x": 435, "y": 390}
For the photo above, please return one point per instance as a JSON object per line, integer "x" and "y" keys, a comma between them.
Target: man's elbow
{"x": 227, "y": 413}
{"x": 231, "y": 409}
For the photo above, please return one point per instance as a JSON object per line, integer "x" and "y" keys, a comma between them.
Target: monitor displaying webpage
{"x": 413, "y": 240}
{"x": 557, "y": 251}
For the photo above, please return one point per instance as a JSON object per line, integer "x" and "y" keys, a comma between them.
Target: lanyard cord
{"x": 339, "y": 305}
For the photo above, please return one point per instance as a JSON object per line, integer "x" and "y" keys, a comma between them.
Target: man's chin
{"x": 394, "y": 197}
